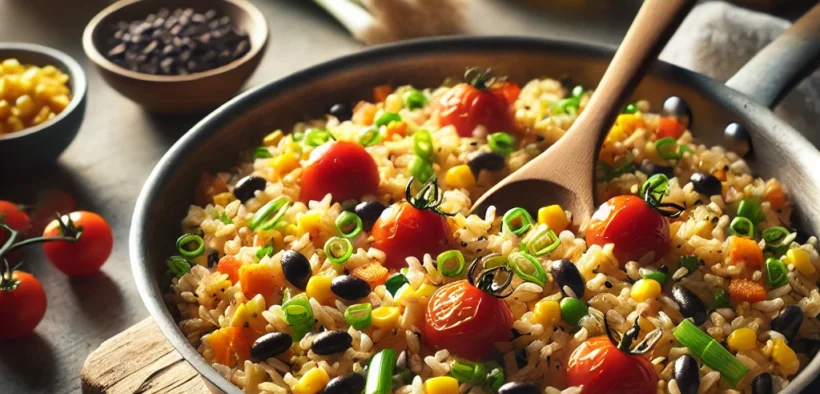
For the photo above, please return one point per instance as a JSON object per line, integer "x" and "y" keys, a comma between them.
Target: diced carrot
{"x": 229, "y": 265}
{"x": 745, "y": 250}
{"x": 207, "y": 188}
{"x": 364, "y": 113}
{"x": 381, "y": 92}
{"x": 258, "y": 279}
{"x": 774, "y": 194}
{"x": 741, "y": 290}
{"x": 241, "y": 342}
{"x": 720, "y": 175}
{"x": 669, "y": 127}
{"x": 395, "y": 128}
{"x": 220, "y": 343}
{"x": 373, "y": 273}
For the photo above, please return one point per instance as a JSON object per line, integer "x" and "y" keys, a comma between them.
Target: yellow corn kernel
{"x": 742, "y": 339}
{"x": 310, "y": 222}
{"x": 41, "y": 116}
{"x": 273, "y": 139}
{"x": 5, "y": 109}
{"x": 406, "y": 294}
{"x": 616, "y": 134}
{"x": 14, "y": 123}
{"x": 26, "y": 106}
{"x": 49, "y": 71}
{"x": 61, "y": 78}
{"x": 645, "y": 289}
{"x": 312, "y": 382}
{"x": 318, "y": 287}
{"x": 799, "y": 258}
{"x": 547, "y": 313}
{"x": 460, "y": 177}
{"x": 241, "y": 316}
{"x": 32, "y": 75}
{"x": 58, "y": 103}
{"x": 385, "y": 317}
{"x": 630, "y": 122}
{"x": 645, "y": 324}
{"x": 441, "y": 385}
{"x": 426, "y": 290}
{"x": 784, "y": 356}
{"x": 10, "y": 87}
{"x": 224, "y": 199}
{"x": 12, "y": 66}
{"x": 554, "y": 217}
{"x": 285, "y": 163}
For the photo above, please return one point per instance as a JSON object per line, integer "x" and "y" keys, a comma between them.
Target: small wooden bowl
{"x": 184, "y": 93}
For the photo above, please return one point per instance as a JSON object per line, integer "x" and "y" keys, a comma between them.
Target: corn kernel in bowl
{"x": 30, "y": 95}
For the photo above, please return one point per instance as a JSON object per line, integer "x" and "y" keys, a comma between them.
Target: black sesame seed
{"x": 608, "y": 284}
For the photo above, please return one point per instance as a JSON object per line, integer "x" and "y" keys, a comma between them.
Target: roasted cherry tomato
{"x": 601, "y": 368}
{"x": 14, "y": 217}
{"x": 480, "y": 102}
{"x": 343, "y": 169}
{"x": 22, "y": 304}
{"x": 632, "y": 225}
{"x": 403, "y": 230}
{"x": 89, "y": 253}
{"x": 466, "y": 321}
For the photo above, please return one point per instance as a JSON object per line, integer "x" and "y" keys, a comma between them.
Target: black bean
{"x": 519, "y": 388}
{"x": 296, "y": 268}
{"x": 489, "y": 161}
{"x": 213, "y": 259}
{"x": 706, "y": 184}
{"x": 690, "y": 304}
{"x": 566, "y": 274}
{"x": 676, "y": 107}
{"x": 369, "y": 212}
{"x": 270, "y": 345}
{"x": 687, "y": 374}
{"x": 650, "y": 168}
{"x": 331, "y": 342}
{"x": 246, "y": 187}
{"x": 348, "y": 384}
{"x": 788, "y": 321}
{"x": 349, "y": 287}
{"x": 762, "y": 384}
{"x": 341, "y": 111}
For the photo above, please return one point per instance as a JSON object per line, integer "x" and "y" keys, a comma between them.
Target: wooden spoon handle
{"x": 651, "y": 29}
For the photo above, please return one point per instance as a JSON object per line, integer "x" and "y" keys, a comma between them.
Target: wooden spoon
{"x": 564, "y": 174}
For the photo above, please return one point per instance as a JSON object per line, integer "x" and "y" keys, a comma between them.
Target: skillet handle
{"x": 782, "y": 64}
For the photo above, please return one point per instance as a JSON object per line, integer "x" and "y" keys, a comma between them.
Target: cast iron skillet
{"x": 216, "y": 142}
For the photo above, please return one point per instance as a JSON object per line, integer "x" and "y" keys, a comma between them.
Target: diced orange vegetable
{"x": 364, "y": 113}
{"x": 220, "y": 343}
{"x": 229, "y": 265}
{"x": 241, "y": 342}
{"x": 208, "y": 187}
{"x": 258, "y": 279}
{"x": 745, "y": 250}
{"x": 395, "y": 128}
{"x": 741, "y": 290}
{"x": 774, "y": 194}
{"x": 669, "y": 127}
{"x": 373, "y": 273}
{"x": 720, "y": 175}
{"x": 381, "y": 92}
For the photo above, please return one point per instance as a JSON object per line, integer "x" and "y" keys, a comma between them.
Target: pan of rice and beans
{"x": 338, "y": 254}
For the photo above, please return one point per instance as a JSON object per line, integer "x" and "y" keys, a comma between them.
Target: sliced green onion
{"x": 224, "y": 219}
{"x": 316, "y": 137}
{"x": 501, "y": 142}
{"x": 721, "y": 300}
{"x": 572, "y": 310}
{"x": 298, "y": 136}
{"x": 690, "y": 262}
{"x": 402, "y": 378}
{"x": 578, "y": 91}
{"x": 190, "y": 253}
{"x": 540, "y": 241}
{"x": 338, "y": 250}
{"x": 404, "y": 270}
{"x": 648, "y": 273}
{"x": 666, "y": 148}
{"x": 527, "y": 268}
{"x": 359, "y": 315}
{"x": 299, "y": 316}
{"x": 414, "y": 99}
{"x": 348, "y": 224}
{"x": 468, "y": 372}
{"x": 749, "y": 208}
{"x": 658, "y": 183}
{"x": 743, "y": 227}
{"x": 385, "y": 118}
{"x": 423, "y": 144}
{"x": 517, "y": 221}
{"x": 778, "y": 239}
{"x": 262, "y": 252}
{"x": 776, "y": 272}
{"x": 495, "y": 378}
{"x": 395, "y": 282}
{"x": 369, "y": 137}
{"x": 493, "y": 260}
{"x": 178, "y": 266}
{"x": 421, "y": 169}
{"x": 270, "y": 214}
{"x": 631, "y": 108}
{"x": 710, "y": 351}
{"x": 445, "y": 257}
{"x": 261, "y": 152}
{"x": 380, "y": 373}
{"x": 565, "y": 106}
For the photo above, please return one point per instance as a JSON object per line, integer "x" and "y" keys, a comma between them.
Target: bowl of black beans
{"x": 177, "y": 56}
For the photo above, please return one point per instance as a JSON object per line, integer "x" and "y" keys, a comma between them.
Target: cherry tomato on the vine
{"x": 601, "y": 368}
{"x": 22, "y": 305}
{"x": 343, "y": 169}
{"x": 14, "y": 217}
{"x": 632, "y": 225}
{"x": 466, "y": 106}
{"x": 89, "y": 253}
{"x": 403, "y": 231}
{"x": 466, "y": 321}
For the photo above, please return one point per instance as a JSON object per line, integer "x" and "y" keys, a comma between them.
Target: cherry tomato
{"x": 89, "y": 253}
{"x": 466, "y": 321}
{"x": 466, "y": 107}
{"x": 343, "y": 169}
{"x": 22, "y": 305}
{"x": 403, "y": 230}
{"x": 629, "y": 223}
{"x": 669, "y": 127}
{"x": 18, "y": 220}
{"x": 601, "y": 368}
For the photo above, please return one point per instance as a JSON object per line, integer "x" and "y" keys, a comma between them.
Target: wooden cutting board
{"x": 139, "y": 360}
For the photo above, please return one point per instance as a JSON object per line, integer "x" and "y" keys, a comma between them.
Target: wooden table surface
{"x": 119, "y": 144}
